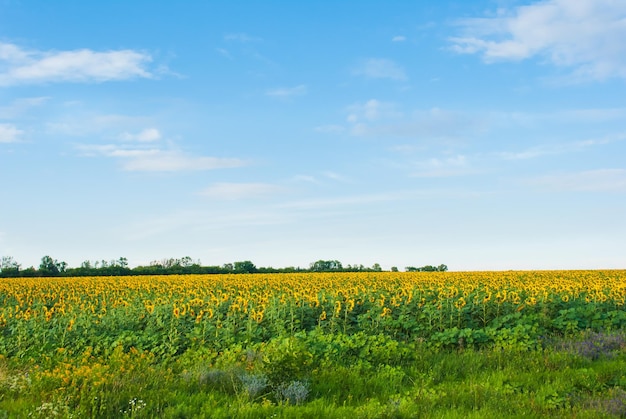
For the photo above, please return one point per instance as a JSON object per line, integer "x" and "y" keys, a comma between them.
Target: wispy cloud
{"x": 21, "y": 66}
{"x": 79, "y": 123}
{"x": 20, "y": 106}
{"x": 584, "y": 35}
{"x": 241, "y": 37}
{"x": 398, "y": 38}
{"x": 287, "y": 92}
{"x": 351, "y": 200}
{"x": 9, "y": 133}
{"x": 380, "y": 68}
{"x": 157, "y": 159}
{"x": 324, "y": 175}
{"x": 372, "y": 110}
{"x": 224, "y": 53}
{"x": 443, "y": 167}
{"x": 144, "y": 136}
{"x": 375, "y": 118}
{"x": 236, "y": 191}
{"x": 556, "y": 149}
{"x": 601, "y": 180}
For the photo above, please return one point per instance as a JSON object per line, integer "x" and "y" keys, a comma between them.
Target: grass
{"x": 283, "y": 379}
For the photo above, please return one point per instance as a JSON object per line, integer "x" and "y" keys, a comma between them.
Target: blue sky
{"x": 482, "y": 134}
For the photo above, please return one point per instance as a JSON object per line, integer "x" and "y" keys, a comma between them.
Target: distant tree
{"x": 427, "y": 268}
{"x": 29, "y": 272}
{"x": 394, "y": 269}
{"x": 244, "y": 267}
{"x": 9, "y": 267}
{"x": 326, "y": 266}
{"x": 51, "y": 267}
{"x": 186, "y": 262}
{"x": 376, "y": 268}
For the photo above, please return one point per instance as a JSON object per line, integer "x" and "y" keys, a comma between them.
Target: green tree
{"x": 51, "y": 267}
{"x": 244, "y": 267}
{"x": 427, "y": 268}
{"x": 8, "y": 266}
{"x": 326, "y": 266}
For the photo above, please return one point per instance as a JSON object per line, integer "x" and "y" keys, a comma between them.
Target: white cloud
{"x": 380, "y": 68}
{"x": 335, "y": 176}
{"x": 556, "y": 149}
{"x": 158, "y": 160}
{"x": 372, "y": 110}
{"x": 9, "y": 133}
{"x": 601, "y": 180}
{"x": 320, "y": 203}
{"x": 328, "y": 175}
{"x": 305, "y": 178}
{"x": 375, "y": 118}
{"x": 451, "y": 166}
{"x": 399, "y": 38}
{"x": 234, "y": 191}
{"x": 77, "y": 123}
{"x": 144, "y": 136}
{"x": 32, "y": 67}
{"x": 224, "y": 53}
{"x": 172, "y": 161}
{"x": 20, "y": 106}
{"x": 286, "y": 92}
{"x": 241, "y": 37}
{"x": 585, "y": 35}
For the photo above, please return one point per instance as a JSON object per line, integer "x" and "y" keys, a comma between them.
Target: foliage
{"x": 427, "y": 268}
{"x": 362, "y": 344}
{"x": 168, "y": 266}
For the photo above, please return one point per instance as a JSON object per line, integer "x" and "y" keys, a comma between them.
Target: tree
{"x": 326, "y": 266}
{"x": 187, "y": 262}
{"x": 244, "y": 267}
{"x": 8, "y": 266}
{"x": 427, "y": 268}
{"x": 51, "y": 267}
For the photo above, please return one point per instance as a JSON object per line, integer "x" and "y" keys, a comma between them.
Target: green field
{"x": 358, "y": 345}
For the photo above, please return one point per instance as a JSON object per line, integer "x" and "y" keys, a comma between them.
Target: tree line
{"x": 49, "y": 266}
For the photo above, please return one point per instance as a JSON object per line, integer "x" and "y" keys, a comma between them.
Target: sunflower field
{"x": 256, "y": 345}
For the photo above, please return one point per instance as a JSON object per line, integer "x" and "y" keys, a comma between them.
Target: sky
{"x": 484, "y": 135}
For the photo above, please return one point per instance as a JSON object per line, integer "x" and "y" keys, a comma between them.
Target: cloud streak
{"x": 21, "y": 66}
{"x": 236, "y": 191}
{"x": 384, "y": 119}
{"x": 158, "y": 160}
{"x": 145, "y": 136}
{"x": 241, "y": 37}
{"x": 380, "y": 68}
{"x": 287, "y": 92}
{"x": 601, "y": 180}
